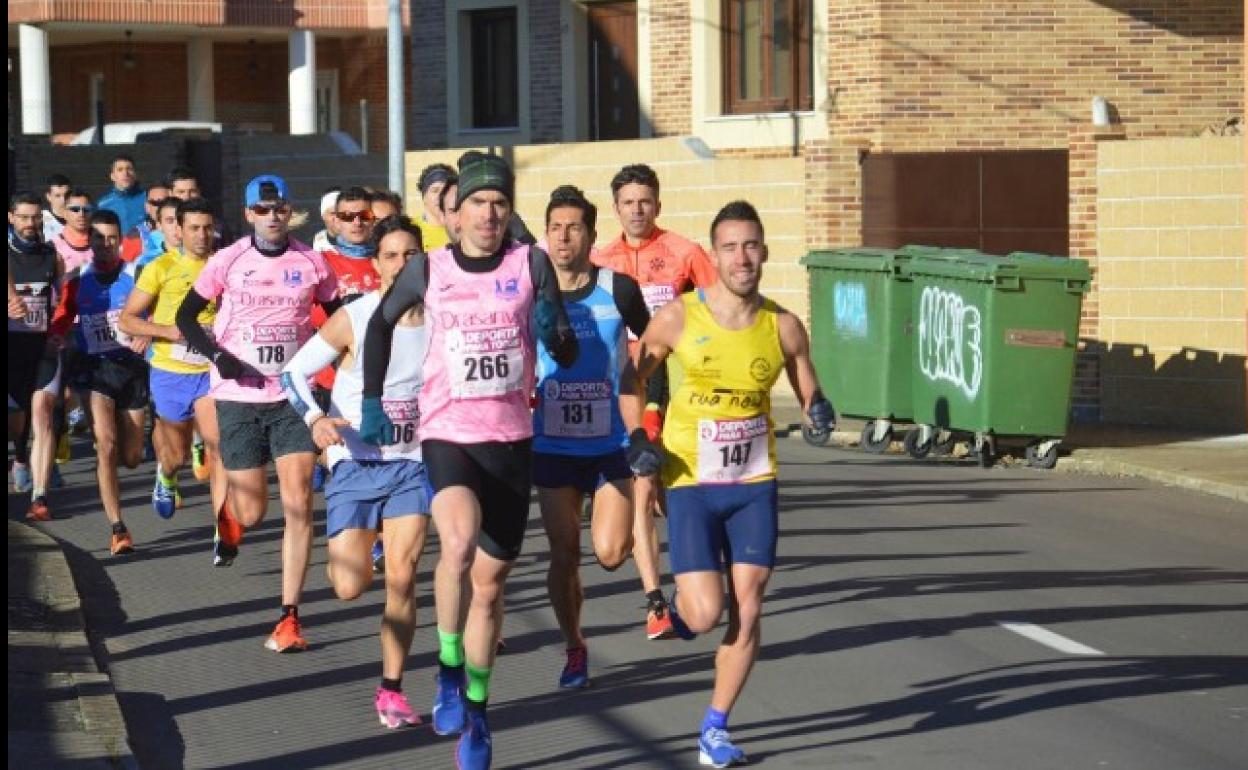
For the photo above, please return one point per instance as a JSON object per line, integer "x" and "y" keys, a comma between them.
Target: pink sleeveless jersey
{"x": 479, "y": 370}
{"x": 264, "y": 313}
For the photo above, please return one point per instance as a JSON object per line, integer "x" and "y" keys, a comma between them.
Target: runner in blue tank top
{"x": 587, "y": 438}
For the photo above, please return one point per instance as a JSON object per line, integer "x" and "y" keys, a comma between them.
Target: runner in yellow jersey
{"x": 732, "y": 344}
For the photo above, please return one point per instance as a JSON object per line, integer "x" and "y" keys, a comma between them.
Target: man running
{"x": 54, "y": 215}
{"x": 114, "y": 372}
{"x": 180, "y": 373}
{"x": 486, "y": 300}
{"x": 582, "y": 420}
{"x": 126, "y": 198}
{"x": 433, "y": 180}
{"x": 264, "y": 286}
{"x": 73, "y": 243}
{"x": 34, "y": 366}
{"x": 369, "y": 484}
{"x": 665, "y": 265}
{"x": 720, "y": 469}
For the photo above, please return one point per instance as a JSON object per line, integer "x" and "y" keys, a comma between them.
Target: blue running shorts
{"x": 710, "y": 525}
{"x": 554, "y": 471}
{"x": 362, "y": 493}
{"x": 174, "y": 393}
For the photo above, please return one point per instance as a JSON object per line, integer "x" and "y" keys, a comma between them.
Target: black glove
{"x": 822, "y": 416}
{"x": 228, "y": 366}
{"x": 565, "y": 351}
{"x": 644, "y": 457}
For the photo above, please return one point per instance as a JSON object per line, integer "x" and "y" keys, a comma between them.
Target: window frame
{"x": 512, "y": 13}
{"x": 801, "y": 96}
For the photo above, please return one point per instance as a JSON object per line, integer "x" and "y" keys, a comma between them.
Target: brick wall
{"x": 1170, "y": 248}
{"x": 155, "y": 89}
{"x": 671, "y": 66}
{"x": 428, "y": 83}
{"x": 545, "y": 73}
{"x": 249, "y": 84}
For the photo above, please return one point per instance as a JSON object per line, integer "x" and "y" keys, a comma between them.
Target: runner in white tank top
{"x": 370, "y": 484}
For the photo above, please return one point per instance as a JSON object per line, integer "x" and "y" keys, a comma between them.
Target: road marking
{"x": 1048, "y": 638}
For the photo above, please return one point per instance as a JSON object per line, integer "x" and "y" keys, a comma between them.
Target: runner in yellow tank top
{"x": 721, "y": 469}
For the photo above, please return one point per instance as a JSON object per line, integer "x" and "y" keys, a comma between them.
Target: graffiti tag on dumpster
{"x": 949, "y": 340}
{"x": 850, "y": 307}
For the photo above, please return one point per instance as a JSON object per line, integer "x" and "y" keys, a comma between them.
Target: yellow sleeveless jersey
{"x": 718, "y": 428}
{"x": 169, "y": 279}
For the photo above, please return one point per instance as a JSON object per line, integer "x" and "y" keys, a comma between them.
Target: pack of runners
{"x": 426, "y": 369}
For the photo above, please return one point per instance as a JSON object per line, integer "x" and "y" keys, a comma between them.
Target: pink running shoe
{"x": 393, "y": 711}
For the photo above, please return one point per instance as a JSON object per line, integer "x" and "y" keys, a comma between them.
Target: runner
{"x": 149, "y": 240}
{"x": 73, "y": 243}
{"x": 324, "y": 237}
{"x": 113, "y": 370}
{"x": 54, "y": 215}
{"x": 433, "y": 180}
{"x": 368, "y": 484}
{"x": 665, "y": 265}
{"x": 34, "y": 365}
{"x": 720, "y": 469}
{"x": 126, "y": 198}
{"x": 265, "y": 285}
{"x": 386, "y": 203}
{"x": 179, "y": 373}
{"x": 487, "y": 300}
{"x": 583, "y": 420}
{"x": 450, "y": 212}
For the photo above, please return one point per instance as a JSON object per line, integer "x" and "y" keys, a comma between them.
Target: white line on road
{"x": 1048, "y": 638}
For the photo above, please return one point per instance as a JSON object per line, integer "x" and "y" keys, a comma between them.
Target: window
{"x": 495, "y": 84}
{"x": 767, "y": 62}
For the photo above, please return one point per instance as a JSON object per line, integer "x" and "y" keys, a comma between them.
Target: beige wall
{"x": 1170, "y": 245}
{"x": 693, "y": 189}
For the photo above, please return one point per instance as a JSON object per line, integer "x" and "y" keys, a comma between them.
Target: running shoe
{"x": 475, "y": 748}
{"x": 22, "y": 480}
{"x": 287, "y": 636}
{"x": 393, "y": 710}
{"x": 62, "y": 448}
{"x": 658, "y": 622}
{"x": 55, "y": 481}
{"x": 229, "y": 528}
{"x": 222, "y": 554}
{"x": 379, "y": 557}
{"x": 448, "y": 701}
{"x": 576, "y": 671}
{"x": 679, "y": 627}
{"x": 121, "y": 544}
{"x": 198, "y": 464}
{"x": 38, "y": 510}
{"x": 319, "y": 475}
{"x": 164, "y": 499}
{"x": 715, "y": 749}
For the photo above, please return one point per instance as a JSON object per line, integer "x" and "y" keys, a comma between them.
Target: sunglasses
{"x": 355, "y": 216}
{"x": 81, "y": 209}
{"x": 263, "y": 210}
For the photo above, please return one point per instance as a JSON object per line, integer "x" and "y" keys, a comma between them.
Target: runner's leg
{"x": 108, "y": 453}
{"x": 350, "y": 568}
{"x": 561, "y": 517}
{"x": 206, "y": 426}
{"x": 403, "y": 538}
{"x": 294, "y": 478}
{"x": 611, "y": 525}
{"x": 739, "y": 649}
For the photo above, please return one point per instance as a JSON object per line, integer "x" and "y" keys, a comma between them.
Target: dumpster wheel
{"x": 1042, "y": 453}
{"x": 815, "y": 437}
{"x": 868, "y": 441}
{"x": 985, "y": 450}
{"x": 916, "y": 447}
{"x": 943, "y": 443}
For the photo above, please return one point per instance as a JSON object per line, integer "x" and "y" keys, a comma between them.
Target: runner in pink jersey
{"x": 265, "y": 286}
{"x": 485, "y": 299}
{"x": 78, "y": 210}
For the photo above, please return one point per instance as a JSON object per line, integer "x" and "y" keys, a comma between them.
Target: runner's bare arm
{"x": 660, "y": 338}
{"x": 133, "y": 323}
{"x": 795, "y": 344}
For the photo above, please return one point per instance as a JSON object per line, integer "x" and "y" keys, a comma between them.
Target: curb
{"x": 103, "y": 736}
{"x": 1118, "y": 468}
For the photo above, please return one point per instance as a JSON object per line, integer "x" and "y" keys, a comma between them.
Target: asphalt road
{"x": 923, "y": 615}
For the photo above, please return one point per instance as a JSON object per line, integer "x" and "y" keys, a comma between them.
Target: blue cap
{"x": 266, "y": 187}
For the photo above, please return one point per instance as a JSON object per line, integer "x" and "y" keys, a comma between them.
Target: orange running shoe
{"x": 121, "y": 544}
{"x": 287, "y": 636}
{"x": 38, "y": 510}
{"x": 228, "y": 528}
{"x": 659, "y": 623}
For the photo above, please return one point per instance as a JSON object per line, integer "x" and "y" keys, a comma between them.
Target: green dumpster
{"x": 994, "y": 347}
{"x": 860, "y": 310}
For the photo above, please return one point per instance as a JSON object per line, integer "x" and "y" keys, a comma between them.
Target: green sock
{"x": 166, "y": 481}
{"x": 478, "y": 690}
{"x": 451, "y": 649}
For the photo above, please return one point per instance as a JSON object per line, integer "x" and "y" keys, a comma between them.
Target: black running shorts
{"x": 499, "y": 473}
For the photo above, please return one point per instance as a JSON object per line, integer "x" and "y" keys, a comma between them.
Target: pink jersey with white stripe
{"x": 479, "y": 370}
{"x": 264, "y": 312}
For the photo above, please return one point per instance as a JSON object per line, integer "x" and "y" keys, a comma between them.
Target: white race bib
{"x": 36, "y": 319}
{"x": 576, "y": 409}
{"x": 732, "y": 450}
{"x": 655, "y": 297}
{"x": 102, "y": 334}
{"x": 485, "y": 363}
{"x": 268, "y": 348}
{"x": 405, "y": 416}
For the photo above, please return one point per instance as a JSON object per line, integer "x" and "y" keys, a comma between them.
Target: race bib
{"x": 182, "y": 351}
{"x": 36, "y": 319}
{"x": 268, "y": 348}
{"x": 485, "y": 363}
{"x": 655, "y": 297}
{"x": 732, "y": 450}
{"x": 576, "y": 409}
{"x": 405, "y": 417}
{"x": 101, "y": 332}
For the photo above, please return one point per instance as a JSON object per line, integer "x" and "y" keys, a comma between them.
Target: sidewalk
{"x": 1216, "y": 465}
{"x": 62, "y": 710}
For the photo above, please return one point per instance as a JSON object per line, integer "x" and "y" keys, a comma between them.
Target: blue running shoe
{"x": 55, "y": 481}
{"x": 448, "y": 701}
{"x": 379, "y": 557}
{"x": 475, "y": 748}
{"x": 23, "y": 482}
{"x": 683, "y": 631}
{"x": 576, "y": 671}
{"x": 319, "y": 475}
{"x": 716, "y": 750}
{"x": 164, "y": 499}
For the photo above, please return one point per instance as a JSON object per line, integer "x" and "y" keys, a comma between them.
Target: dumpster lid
{"x": 986, "y": 268}
{"x": 869, "y": 259}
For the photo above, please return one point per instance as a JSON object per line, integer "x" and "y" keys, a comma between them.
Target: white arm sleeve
{"x": 315, "y": 355}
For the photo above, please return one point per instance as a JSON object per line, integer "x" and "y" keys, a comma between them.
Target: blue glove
{"x": 644, "y": 458}
{"x": 375, "y": 426}
{"x": 822, "y": 417}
